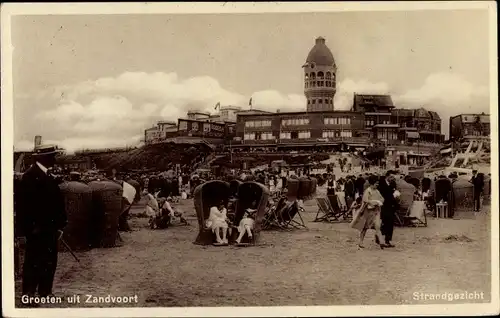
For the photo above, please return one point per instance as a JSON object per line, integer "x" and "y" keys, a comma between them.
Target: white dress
{"x": 152, "y": 208}
{"x": 217, "y": 219}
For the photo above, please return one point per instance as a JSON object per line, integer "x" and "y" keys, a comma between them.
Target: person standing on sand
{"x": 42, "y": 216}
{"x": 368, "y": 215}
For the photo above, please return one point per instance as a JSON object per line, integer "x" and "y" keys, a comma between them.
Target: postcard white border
{"x": 190, "y": 8}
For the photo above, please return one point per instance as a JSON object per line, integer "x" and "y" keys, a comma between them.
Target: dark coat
{"x": 387, "y": 192}
{"x": 349, "y": 188}
{"x": 478, "y": 182}
{"x": 40, "y": 206}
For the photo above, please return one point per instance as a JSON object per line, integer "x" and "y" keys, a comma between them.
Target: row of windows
{"x": 258, "y": 123}
{"x": 299, "y": 135}
{"x": 319, "y": 84}
{"x": 259, "y": 136}
{"x": 336, "y": 133}
{"x": 320, "y": 75}
{"x": 328, "y": 101}
{"x": 371, "y": 122}
{"x": 392, "y": 135}
{"x": 295, "y": 122}
{"x": 337, "y": 121}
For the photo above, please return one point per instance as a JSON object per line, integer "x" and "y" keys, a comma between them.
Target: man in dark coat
{"x": 42, "y": 216}
{"x": 360, "y": 184}
{"x": 478, "y": 182}
{"x": 387, "y": 187}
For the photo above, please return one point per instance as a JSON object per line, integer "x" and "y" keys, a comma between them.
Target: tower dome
{"x": 320, "y": 54}
{"x": 320, "y": 77}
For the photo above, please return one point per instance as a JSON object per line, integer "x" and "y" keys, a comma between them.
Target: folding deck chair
{"x": 287, "y": 215}
{"x": 282, "y": 215}
{"x": 326, "y": 213}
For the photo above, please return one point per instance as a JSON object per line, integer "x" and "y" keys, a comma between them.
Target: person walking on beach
{"x": 368, "y": 215}
{"x": 387, "y": 189}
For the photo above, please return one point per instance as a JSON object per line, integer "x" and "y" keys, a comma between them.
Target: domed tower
{"x": 320, "y": 77}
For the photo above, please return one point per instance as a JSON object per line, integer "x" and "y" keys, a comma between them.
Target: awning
{"x": 412, "y": 134}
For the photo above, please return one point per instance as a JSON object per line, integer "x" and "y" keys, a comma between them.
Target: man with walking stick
{"x": 42, "y": 216}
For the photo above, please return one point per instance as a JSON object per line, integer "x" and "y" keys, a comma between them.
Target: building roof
{"x": 403, "y": 112}
{"x": 167, "y": 122}
{"x": 253, "y": 112}
{"x": 373, "y": 100}
{"x": 320, "y": 54}
{"x": 434, "y": 115}
{"x": 330, "y": 112}
{"x": 422, "y": 112}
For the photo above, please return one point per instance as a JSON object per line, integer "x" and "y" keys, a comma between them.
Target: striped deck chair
{"x": 327, "y": 213}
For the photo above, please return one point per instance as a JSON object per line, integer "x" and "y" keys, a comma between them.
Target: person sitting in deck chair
{"x": 247, "y": 223}
{"x": 217, "y": 222}
{"x": 169, "y": 211}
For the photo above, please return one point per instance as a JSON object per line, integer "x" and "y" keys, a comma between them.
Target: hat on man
{"x": 46, "y": 150}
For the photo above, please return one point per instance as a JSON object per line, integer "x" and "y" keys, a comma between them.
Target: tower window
{"x": 328, "y": 75}
{"x": 313, "y": 75}
{"x": 321, "y": 75}
{"x": 317, "y": 83}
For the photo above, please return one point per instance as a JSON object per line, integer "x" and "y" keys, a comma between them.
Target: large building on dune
{"x": 372, "y": 119}
{"x": 469, "y": 126}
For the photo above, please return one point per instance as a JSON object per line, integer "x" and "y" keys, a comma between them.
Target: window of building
{"x": 258, "y": 123}
{"x": 320, "y": 74}
{"x": 304, "y": 134}
{"x": 285, "y": 135}
{"x": 194, "y": 127}
{"x": 314, "y": 101}
{"x": 328, "y": 134}
{"x": 296, "y": 121}
{"x": 206, "y": 127}
{"x": 183, "y": 125}
{"x": 267, "y": 136}
{"x": 249, "y": 136}
{"x": 346, "y": 133}
{"x": 328, "y": 75}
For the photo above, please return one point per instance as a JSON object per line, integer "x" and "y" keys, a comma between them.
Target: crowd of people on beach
{"x": 371, "y": 197}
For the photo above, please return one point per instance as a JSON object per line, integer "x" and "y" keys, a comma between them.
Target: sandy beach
{"x": 320, "y": 265}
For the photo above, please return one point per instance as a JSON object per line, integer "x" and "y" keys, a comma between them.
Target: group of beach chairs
{"x": 283, "y": 213}
{"x": 335, "y": 208}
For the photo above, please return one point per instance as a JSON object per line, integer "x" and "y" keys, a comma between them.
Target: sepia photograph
{"x": 249, "y": 159}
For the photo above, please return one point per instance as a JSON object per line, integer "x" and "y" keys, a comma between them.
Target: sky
{"x": 96, "y": 81}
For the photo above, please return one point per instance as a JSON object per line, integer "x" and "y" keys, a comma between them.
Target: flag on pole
{"x": 217, "y": 105}
{"x": 250, "y": 102}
